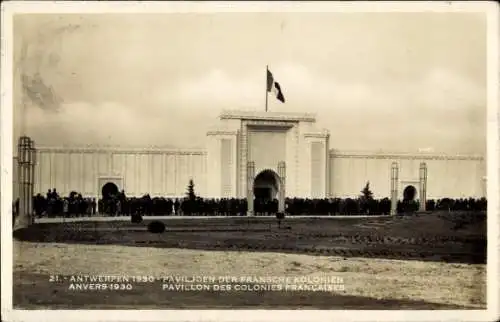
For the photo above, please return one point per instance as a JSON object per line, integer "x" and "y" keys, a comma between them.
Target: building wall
{"x": 312, "y": 169}
{"x": 167, "y": 172}
{"x": 157, "y": 172}
{"x": 267, "y": 147}
{"x": 264, "y": 138}
{"x": 314, "y": 165}
{"x": 221, "y": 158}
{"x": 447, "y": 176}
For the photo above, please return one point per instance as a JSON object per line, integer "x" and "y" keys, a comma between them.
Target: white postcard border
{"x": 11, "y": 8}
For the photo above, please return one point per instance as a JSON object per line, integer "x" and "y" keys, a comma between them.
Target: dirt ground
{"x": 256, "y": 247}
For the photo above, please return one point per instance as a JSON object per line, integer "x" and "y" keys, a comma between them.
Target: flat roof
{"x": 263, "y": 115}
{"x": 403, "y": 155}
{"x": 200, "y": 151}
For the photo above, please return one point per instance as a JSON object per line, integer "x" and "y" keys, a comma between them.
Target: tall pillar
{"x": 423, "y": 186}
{"x": 31, "y": 183}
{"x": 394, "y": 187}
{"x": 21, "y": 220}
{"x": 250, "y": 178}
{"x": 282, "y": 185}
{"x": 26, "y": 165}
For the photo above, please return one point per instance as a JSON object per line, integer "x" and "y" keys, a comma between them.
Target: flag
{"x": 279, "y": 93}
{"x": 272, "y": 85}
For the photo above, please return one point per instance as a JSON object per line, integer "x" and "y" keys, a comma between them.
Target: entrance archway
{"x": 109, "y": 190}
{"x": 266, "y": 185}
{"x": 410, "y": 193}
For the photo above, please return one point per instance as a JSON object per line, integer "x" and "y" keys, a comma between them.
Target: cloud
{"x": 445, "y": 90}
{"x": 121, "y": 87}
{"x": 438, "y": 104}
{"x": 218, "y": 89}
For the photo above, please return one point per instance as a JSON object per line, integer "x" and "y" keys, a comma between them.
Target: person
{"x": 16, "y": 206}
{"x": 122, "y": 195}
{"x": 66, "y": 207}
{"x": 118, "y": 207}
{"x": 176, "y": 206}
{"x": 38, "y": 205}
{"x": 15, "y": 211}
{"x": 50, "y": 203}
{"x": 57, "y": 203}
{"x": 94, "y": 206}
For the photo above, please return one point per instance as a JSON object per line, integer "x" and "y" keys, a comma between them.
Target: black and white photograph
{"x": 236, "y": 157}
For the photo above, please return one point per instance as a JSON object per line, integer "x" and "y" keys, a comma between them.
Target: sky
{"x": 376, "y": 81}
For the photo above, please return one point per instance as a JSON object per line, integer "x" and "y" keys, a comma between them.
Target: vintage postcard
{"x": 231, "y": 161}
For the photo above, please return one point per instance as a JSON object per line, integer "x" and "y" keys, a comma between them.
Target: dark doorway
{"x": 263, "y": 193}
{"x": 266, "y": 185}
{"x": 109, "y": 190}
{"x": 409, "y": 193}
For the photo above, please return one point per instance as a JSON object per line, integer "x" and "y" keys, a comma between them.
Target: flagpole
{"x": 267, "y": 68}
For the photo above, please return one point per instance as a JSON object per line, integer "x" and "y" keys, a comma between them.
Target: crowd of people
{"x": 74, "y": 205}
{"x": 53, "y": 204}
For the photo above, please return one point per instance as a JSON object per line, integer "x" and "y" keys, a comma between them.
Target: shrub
{"x": 136, "y": 218}
{"x": 190, "y": 191}
{"x": 156, "y": 227}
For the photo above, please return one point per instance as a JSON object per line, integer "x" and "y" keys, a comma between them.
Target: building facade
{"x": 259, "y": 153}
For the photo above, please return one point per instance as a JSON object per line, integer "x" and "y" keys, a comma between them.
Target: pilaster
{"x": 250, "y": 177}
{"x": 282, "y": 192}
{"x": 394, "y": 187}
{"x": 423, "y": 186}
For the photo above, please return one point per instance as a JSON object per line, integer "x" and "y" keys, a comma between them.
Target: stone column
{"x": 32, "y": 165}
{"x": 25, "y": 164}
{"x": 21, "y": 220}
{"x": 243, "y": 155}
{"x": 282, "y": 186}
{"x": 394, "y": 187}
{"x": 250, "y": 178}
{"x": 423, "y": 186}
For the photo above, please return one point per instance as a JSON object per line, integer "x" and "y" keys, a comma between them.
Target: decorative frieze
{"x": 269, "y": 124}
{"x": 400, "y": 155}
{"x": 107, "y": 150}
{"x": 267, "y": 116}
{"x": 317, "y": 135}
{"x": 221, "y": 132}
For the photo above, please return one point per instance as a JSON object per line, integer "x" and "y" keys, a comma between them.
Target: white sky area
{"x": 376, "y": 81}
